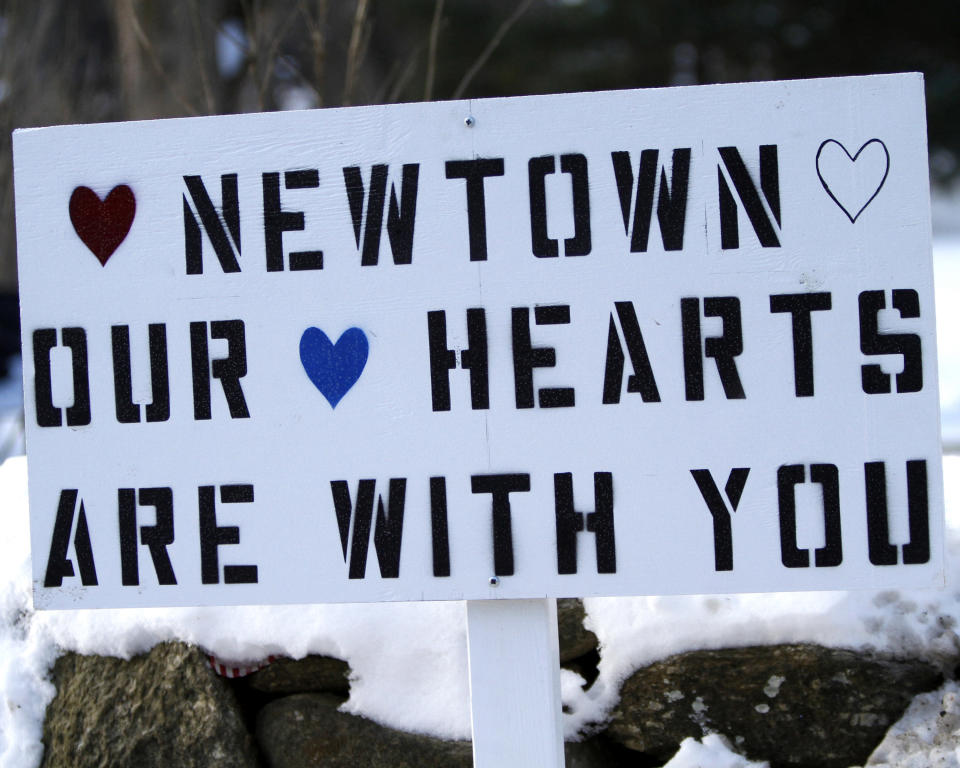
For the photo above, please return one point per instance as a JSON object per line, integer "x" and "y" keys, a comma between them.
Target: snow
{"x": 409, "y": 661}
{"x": 928, "y": 734}
{"x": 946, "y": 270}
{"x": 713, "y": 752}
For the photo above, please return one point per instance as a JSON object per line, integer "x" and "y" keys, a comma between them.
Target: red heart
{"x": 102, "y": 226}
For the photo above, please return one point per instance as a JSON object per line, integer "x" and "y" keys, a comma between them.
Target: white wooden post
{"x": 515, "y": 683}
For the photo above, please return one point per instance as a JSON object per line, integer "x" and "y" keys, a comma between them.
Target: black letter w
{"x": 389, "y": 528}
{"x": 671, "y": 202}
{"x": 400, "y": 218}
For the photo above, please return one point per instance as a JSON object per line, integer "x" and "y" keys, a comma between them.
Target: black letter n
{"x": 226, "y": 246}
{"x": 749, "y": 197}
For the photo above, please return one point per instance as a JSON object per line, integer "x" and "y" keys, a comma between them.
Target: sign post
{"x": 626, "y": 343}
{"x": 515, "y": 706}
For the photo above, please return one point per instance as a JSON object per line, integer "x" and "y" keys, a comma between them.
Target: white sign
{"x": 636, "y": 342}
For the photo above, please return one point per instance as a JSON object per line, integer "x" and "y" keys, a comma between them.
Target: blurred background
{"x": 80, "y": 61}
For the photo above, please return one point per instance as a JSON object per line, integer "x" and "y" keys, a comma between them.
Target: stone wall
{"x": 794, "y": 705}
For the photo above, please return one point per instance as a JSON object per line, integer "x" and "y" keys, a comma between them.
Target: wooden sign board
{"x": 636, "y": 342}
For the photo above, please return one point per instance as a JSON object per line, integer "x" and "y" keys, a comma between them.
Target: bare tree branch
{"x": 355, "y": 51}
{"x": 130, "y": 14}
{"x": 403, "y": 77}
{"x": 491, "y": 47}
{"x": 272, "y": 55}
{"x": 318, "y": 42}
{"x": 201, "y": 64}
{"x": 432, "y": 51}
{"x": 250, "y": 9}
{"x": 128, "y": 53}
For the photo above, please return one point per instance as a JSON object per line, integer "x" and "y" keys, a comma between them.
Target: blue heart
{"x": 333, "y": 368}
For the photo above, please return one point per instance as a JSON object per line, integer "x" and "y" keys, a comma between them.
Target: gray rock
{"x": 597, "y": 752}
{"x": 575, "y": 639}
{"x": 794, "y": 705}
{"x": 313, "y": 674}
{"x": 164, "y": 708}
{"x": 305, "y": 730}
